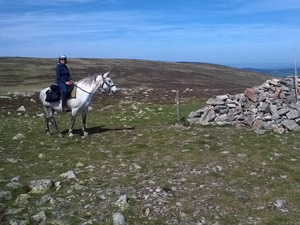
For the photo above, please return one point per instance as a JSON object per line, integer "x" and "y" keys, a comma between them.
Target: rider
{"x": 63, "y": 80}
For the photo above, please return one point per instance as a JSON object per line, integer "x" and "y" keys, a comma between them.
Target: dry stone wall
{"x": 270, "y": 106}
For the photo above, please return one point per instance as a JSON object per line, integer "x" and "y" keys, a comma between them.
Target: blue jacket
{"x": 62, "y": 74}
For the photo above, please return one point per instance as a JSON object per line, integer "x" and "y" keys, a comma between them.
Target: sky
{"x": 228, "y": 32}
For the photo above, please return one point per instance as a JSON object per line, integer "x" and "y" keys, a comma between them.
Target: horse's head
{"x": 108, "y": 84}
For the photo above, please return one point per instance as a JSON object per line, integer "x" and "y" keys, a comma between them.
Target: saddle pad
{"x": 73, "y": 92}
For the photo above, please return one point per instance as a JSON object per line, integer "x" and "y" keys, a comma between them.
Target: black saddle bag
{"x": 53, "y": 94}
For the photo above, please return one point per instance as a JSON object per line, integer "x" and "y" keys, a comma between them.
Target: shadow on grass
{"x": 97, "y": 130}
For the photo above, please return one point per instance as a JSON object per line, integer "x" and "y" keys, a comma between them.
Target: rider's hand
{"x": 69, "y": 82}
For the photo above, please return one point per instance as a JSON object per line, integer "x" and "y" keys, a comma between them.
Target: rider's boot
{"x": 65, "y": 107}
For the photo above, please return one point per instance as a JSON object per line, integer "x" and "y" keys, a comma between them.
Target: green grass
{"x": 133, "y": 150}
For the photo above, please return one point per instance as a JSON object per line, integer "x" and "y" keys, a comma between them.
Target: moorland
{"x": 138, "y": 159}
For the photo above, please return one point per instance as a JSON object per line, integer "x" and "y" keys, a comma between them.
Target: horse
{"x": 86, "y": 87}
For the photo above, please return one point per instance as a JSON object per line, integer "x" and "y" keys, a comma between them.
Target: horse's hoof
{"x": 71, "y": 135}
{"x": 85, "y": 134}
{"x": 59, "y": 135}
{"x": 48, "y": 132}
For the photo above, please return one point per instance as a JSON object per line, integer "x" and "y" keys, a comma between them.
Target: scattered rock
{"x": 5, "y": 196}
{"x": 122, "y": 202}
{"x": 119, "y": 219}
{"x": 22, "y": 200}
{"x": 69, "y": 175}
{"x": 18, "y": 136}
{"x": 39, "y": 217}
{"x": 21, "y": 109}
{"x": 40, "y": 186}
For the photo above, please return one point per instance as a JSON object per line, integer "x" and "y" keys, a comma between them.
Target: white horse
{"x": 84, "y": 92}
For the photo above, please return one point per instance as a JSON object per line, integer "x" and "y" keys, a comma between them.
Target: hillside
{"x": 32, "y": 74}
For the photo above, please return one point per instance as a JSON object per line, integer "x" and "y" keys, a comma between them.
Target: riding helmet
{"x": 62, "y": 56}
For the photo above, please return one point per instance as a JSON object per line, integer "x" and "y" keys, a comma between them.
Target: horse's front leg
{"x": 55, "y": 126}
{"x": 73, "y": 118}
{"x": 84, "y": 113}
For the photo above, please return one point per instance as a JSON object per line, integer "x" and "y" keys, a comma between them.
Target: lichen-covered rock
{"x": 40, "y": 186}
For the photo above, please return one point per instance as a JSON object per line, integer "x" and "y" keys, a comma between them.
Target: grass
{"x": 135, "y": 148}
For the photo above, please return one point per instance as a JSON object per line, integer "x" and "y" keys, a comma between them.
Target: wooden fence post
{"x": 178, "y": 106}
{"x": 296, "y": 77}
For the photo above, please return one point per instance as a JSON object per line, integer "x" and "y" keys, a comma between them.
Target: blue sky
{"x": 215, "y": 31}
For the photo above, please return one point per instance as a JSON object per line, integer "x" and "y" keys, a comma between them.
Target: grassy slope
{"x": 217, "y": 174}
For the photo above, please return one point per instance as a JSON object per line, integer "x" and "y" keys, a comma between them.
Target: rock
{"x": 14, "y": 185}
{"x": 291, "y": 125}
{"x": 251, "y": 94}
{"x": 39, "y": 217}
{"x": 21, "y": 109}
{"x": 122, "y": 202}
{"x": 278, "y": 130}
{"x": 40, "y": 186}
{"x": 23, "y": 200}
{"x": 118, "y": 219}
{"x": 69, "y": 175}
{"x": 215, "y": 101}
{"x": 18, "y": 136}
{"x": 242, "y": 196}
{"x": 18, "y": 222}
{"x": 5, "y": 196}
{"x": 207, "y": 116}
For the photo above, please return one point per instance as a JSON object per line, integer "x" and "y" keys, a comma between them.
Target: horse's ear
{"x": 106, "y": 74}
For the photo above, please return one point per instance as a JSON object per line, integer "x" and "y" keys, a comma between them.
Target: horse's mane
{"x": 89, "y": 80}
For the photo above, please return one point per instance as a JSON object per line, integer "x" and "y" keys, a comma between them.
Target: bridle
{"x": 102, "y": 85}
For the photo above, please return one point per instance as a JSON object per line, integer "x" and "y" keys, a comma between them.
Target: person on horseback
{"x": 63, "y": 80}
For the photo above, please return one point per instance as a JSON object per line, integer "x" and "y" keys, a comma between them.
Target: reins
{"x": 82, "y": 89}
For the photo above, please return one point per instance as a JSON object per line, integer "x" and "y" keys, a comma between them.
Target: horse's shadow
{"x": 97, "y": 130}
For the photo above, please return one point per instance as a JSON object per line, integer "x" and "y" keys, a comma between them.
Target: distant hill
{"x": 274, "y": 72}
{"x": 33, "y": 74}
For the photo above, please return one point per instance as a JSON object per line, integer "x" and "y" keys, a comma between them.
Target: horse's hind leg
{"x": 47, "y": 120}
{"x": 50, "y": 118}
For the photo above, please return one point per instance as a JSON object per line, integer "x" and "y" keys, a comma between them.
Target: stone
{"x": 122, "y": 202}
{"x": 207, "y": 116}
{"x": 5, "y": 196}
{"x": 277, "y": 93}
{"x": 18, "y": 222}
{"x": 21, "y": 109}
{"x": 293, "y": 114}
{"x": 278, "y": 130}
{"x": 69, "y": 175}
{"x": 222, "y": 97}
{"x": 291, "y": 125}
{"x": 215, "y": 101}
{"x": 40, "y": 217}
{"x": 251, "y": 94}
{"x": 118, "y": 219}
{"x": 40, "y": 186}
{"x": 282, "y": 112}
{"x": 23, "y": 200}
{"x": 14, "y": 185}
{"x": 18, "y": 136}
